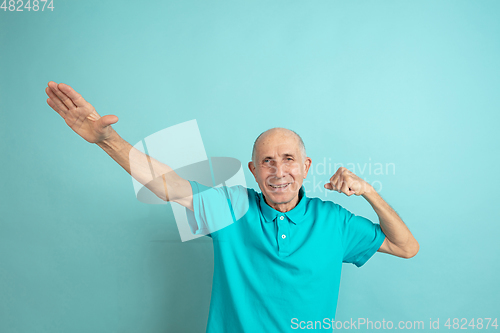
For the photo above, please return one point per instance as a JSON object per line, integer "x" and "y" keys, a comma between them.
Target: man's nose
{"x": 280, "y": 170}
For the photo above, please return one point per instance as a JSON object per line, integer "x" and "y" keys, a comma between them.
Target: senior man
{"x": 278, "y": 267}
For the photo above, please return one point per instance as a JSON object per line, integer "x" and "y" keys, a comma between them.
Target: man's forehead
{"x": 277, "y": 141}
{"x": 290, "y": 147}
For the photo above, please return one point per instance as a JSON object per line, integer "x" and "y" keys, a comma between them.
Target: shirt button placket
{"x": 283, "y": 235}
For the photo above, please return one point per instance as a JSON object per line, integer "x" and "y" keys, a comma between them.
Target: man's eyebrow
{"x": 285, "y": 154}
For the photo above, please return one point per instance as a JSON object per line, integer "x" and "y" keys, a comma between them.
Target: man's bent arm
{"x": 399, "y": 240}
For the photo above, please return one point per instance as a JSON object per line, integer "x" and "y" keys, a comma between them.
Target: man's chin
{"x": 280, "y": 196}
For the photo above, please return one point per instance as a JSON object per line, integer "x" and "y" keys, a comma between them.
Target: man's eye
{"x": 266, "y": 160}
{"x": 290, "y": 159}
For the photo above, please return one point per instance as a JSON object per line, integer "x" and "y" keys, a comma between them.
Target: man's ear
{"x": 252, "y": 168}
{"x": 307, "y": 165}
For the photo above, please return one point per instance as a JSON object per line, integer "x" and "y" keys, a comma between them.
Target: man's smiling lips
{"x": 279, "y": 187}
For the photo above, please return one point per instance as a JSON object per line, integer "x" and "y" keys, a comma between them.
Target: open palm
{"x": 79, "y": 114}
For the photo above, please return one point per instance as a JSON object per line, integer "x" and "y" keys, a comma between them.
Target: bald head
{"x": 279, "y": 131}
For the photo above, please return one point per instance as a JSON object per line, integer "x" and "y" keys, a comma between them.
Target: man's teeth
{"x": 278, "y": 186}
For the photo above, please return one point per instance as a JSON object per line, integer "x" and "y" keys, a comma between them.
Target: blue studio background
{"x": 405, "y": 92}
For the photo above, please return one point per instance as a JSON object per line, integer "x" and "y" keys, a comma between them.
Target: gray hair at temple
{"x": 302, "y": 147}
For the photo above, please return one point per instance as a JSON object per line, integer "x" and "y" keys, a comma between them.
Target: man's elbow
{"x": 412, "y": 250}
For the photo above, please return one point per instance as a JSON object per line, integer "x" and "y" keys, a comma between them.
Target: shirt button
{"x": 283, "y": 236}
{"x": 281, "y": 218}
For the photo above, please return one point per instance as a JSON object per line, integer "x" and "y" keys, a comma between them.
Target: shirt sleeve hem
{"x": 368, "y": 254}
{"x": 194, "y": 216}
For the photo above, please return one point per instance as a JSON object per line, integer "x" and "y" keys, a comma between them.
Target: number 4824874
{"x": 31, "y": 5}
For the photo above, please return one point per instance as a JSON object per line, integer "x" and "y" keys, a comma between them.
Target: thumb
{"x": 107, "y": 120}
{"x": 328, "y": 186}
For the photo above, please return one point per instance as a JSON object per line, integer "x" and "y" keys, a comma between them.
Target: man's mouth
{"x": 279, "y": 187}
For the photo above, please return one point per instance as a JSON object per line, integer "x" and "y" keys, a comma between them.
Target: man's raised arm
{"x": 82, "y": 118}
{"x": 399, "y": 240}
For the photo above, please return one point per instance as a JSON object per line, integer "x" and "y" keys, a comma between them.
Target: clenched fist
{"x": 345, "y": 181}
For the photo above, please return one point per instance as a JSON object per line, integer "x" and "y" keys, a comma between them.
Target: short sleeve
{"x": 361, "y": 238}
{"x": 215, "y": 208}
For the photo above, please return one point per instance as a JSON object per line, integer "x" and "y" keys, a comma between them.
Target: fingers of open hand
{"x": 54, "y": 107}
{"x": 75, "y": 97}
{"x": 62, "y": 96}
{"x": 55, "y": 102}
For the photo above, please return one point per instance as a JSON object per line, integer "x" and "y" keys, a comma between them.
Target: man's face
{"x": 279, "y": 168}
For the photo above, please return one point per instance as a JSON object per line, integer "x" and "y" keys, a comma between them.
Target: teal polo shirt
{"x": 271, "y": 267}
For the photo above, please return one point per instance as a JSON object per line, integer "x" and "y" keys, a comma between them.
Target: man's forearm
{"x": 145, "y": 169}
{"x": 391, "y": 224}
{"x": 118, "y": 149}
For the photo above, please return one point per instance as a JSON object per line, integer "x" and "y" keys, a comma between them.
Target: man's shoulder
{"x": 328, "y": 208}
{"x": 240, "y": 189}
{"x": 202, "y": 187}
{"x": 318, "y": 203}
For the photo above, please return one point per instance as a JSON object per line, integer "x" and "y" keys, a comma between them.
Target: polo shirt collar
{"x": 296, "y": 215}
